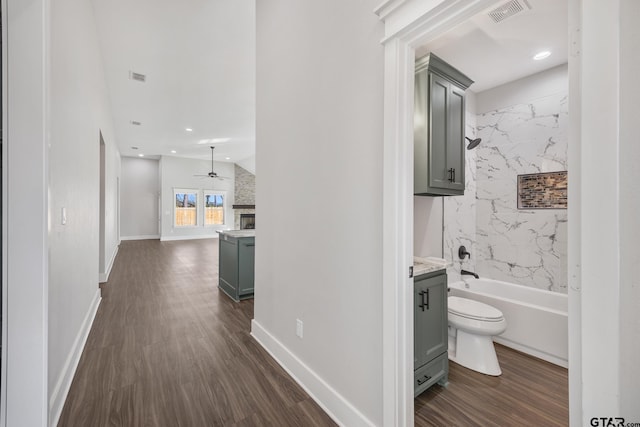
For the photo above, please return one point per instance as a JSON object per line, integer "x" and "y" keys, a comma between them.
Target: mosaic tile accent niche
{"x": 542, "y": 190}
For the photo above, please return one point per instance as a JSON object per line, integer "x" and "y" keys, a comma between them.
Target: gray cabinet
{"x": 431, "y": 363}
{"x": 236, "y": 260}
{"x": 439, "y": 128}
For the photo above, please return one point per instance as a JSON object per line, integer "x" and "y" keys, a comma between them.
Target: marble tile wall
{"x": 460, "y": 214}
{"x": 528, "y": 247}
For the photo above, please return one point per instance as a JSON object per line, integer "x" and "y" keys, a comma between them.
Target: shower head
{"x": 473, "y": 143}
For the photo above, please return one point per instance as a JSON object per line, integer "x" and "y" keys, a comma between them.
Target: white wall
{"x": 176, "y": 172}
{"x": 79, "y": 112}
{"x": 551, "y": 81}
{"x": 319, "y": 199}
{"x": 140, "y": 193}
{"x": 630, "y": 206}
{"x": 609, "y": 156}
{"x": 427, "y": 226}
{"x": 25, "y": 238}
{"x": 249, "y": 164}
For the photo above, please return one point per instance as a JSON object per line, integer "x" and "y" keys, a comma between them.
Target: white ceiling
{"x": 199, "y": 60}
{"x": 492, "y": 53}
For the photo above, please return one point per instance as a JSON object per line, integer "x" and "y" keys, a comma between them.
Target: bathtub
{"x": 537, "y": 321}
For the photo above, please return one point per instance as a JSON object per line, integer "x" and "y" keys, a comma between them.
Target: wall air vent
{"x": 509, "y": 9}
{"x": 137, "y": 77}
{"x": 135, "y": 123}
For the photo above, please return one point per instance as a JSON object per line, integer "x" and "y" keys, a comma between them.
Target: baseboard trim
{"x": 105, "y": 276}
{"x": 61, "y": 390}
{"x": 143, "y": 237}
{"x": 551, "y": 358}
{"x": 206, "y": 236}
{"x": 334, "y": 404}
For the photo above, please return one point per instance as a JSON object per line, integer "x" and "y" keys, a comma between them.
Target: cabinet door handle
{"x": 454, "y": 175}
{"x": 424, "y": 379}
{"x": 424, "y": 304}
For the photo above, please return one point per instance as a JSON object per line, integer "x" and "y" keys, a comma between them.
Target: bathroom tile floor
{"x": 530, "y": 392}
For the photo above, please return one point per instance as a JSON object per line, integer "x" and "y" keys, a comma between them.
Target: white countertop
{"x": 238, "y": 233}
{"x": 428, "y": 265}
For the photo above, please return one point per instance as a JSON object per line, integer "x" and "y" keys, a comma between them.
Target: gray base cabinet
{"x": 430, "y": 342}
{"x": 236, "y": 259}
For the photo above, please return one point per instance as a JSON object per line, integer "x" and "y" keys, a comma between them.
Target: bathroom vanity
{"x": 431, "y": 363}
{"x": 236, "y": 263}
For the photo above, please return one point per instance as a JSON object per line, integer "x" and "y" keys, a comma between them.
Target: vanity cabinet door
{"x": 455, "y": 139}
{"x": 430, "y": 318}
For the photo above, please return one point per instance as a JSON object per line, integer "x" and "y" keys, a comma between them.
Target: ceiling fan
{"x": 212, "y": 174}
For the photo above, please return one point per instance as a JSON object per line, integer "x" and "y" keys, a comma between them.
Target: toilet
{"x": 472, "y": 325}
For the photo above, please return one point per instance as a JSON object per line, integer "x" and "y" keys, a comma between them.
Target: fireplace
{"x": 247, "y": 221}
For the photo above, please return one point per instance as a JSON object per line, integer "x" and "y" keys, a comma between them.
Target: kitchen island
{"x": 236, "y": 263}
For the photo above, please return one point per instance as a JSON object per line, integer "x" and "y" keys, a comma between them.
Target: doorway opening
{"x": 518, "y": 107}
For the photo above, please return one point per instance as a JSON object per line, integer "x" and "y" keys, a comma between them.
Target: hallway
{"x": 168, "y": 349}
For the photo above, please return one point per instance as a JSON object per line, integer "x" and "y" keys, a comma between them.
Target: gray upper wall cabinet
{"x": 439, "y": 125}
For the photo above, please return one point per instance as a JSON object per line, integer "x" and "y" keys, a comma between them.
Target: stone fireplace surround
{"x": 241, "y": 209}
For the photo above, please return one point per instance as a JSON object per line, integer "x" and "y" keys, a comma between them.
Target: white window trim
{"x": 222, "y": 193}
{"x": 198, "y": 193}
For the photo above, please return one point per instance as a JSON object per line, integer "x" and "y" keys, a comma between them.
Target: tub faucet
{"x": 469, "y": 273}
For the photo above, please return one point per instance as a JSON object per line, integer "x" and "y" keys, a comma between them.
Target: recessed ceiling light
{"x": 173, "y": 151}
{"x": 188, "y": 129}
{"x": 541, "y": 55}
{"x": 140, "y": 155}
{"x": 227, "y": 158}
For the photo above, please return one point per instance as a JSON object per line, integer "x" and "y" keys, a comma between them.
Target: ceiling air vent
{"x": 137, "y": 76}
{"x": 509, "y": 9}
{"x": 135, "y": 123}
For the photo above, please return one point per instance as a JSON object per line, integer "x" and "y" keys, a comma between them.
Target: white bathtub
{"x": 537, "y": 322}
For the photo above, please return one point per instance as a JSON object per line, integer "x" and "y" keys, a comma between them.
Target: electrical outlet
{"x": 299, "y": 326}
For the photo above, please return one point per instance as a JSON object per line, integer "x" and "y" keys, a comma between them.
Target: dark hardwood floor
{"x": 530, "y": 392}
{"x": 168, "y": 349}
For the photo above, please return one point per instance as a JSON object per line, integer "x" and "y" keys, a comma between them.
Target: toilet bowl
{"x": 472, "y": 325}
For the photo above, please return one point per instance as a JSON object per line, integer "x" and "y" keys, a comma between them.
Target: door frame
{"x": 409, "y": 25}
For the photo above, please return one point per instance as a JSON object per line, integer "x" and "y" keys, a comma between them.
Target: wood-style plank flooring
{"x": 530, "y": 392}
{"x": 168, "y": 349}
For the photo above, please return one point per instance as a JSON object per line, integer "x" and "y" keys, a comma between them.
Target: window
{"x": 214, "y": 207}
{"x": 186, "y": 208}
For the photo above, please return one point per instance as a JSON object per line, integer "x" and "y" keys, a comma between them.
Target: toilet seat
{"x": 474, "y": 310}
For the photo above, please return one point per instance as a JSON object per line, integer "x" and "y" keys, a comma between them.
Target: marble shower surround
{"x": 527, "y": 247}
{"x": 459, "y": 214}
